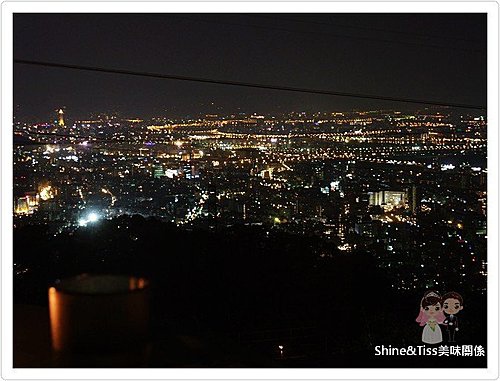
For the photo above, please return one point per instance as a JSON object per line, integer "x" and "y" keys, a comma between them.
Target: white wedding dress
{"x": 432, "y": 333}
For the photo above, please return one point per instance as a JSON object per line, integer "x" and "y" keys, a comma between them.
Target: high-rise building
{"x": 388, "y": 199}
{"x": 32, "y": 198}
{"x": 412, "y": 199}
{"x": 190, "y": 171}
{"x": 158, "y": 171}
{"x": 22, "y": 206}
{"x": 61, "y": 117}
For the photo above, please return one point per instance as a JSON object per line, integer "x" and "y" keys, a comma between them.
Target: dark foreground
{"x": 231, "y": 298}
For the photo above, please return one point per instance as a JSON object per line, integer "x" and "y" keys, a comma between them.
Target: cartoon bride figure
{"x": 431, "y": 315}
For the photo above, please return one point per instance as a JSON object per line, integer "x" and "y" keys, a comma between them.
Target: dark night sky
{"x": 425, "y": 56}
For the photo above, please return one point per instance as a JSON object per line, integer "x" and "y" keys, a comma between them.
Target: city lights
{"x": 357, "y": 183}
{"x": 92, "y": 217}
{"x": 46, "y": 193}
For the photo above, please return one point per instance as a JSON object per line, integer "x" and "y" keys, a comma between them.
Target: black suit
{"x": 451, "y": 326}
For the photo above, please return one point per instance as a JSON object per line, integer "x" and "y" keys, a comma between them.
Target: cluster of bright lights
{"x": 445, "y": 167}
{"x": 71, "y": 157}
{"x": 113, "y": 198}
{"x": 46, "y": 193}
{"x": 344, "y": 247}
{"x": 50, "y": 149}
{"x": 171, "y": 173}
{"x": 335, "y": 185}
{"x": 91, "y": 218}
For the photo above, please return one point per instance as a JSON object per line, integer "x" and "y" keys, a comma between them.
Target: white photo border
{"x": 9, "y": 8}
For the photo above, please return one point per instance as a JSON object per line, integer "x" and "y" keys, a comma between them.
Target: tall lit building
{"x": 61, "y": 117}
{"x": 32, "y": 198}
{"x": 158, "y": 171}
{"x": 190, "y": 171}
{"x": 388, "y": 199}
{"x": 412, "y": 199}
{"x": 22, "y": 206}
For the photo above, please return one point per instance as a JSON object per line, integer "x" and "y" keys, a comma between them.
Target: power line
{"x": 248, "y": 84}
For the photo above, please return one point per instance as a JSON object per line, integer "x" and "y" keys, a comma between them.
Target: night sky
{"x": 425, "y": 56}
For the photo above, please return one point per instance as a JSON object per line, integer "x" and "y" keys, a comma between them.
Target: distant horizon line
{"x": 249, "y": 114}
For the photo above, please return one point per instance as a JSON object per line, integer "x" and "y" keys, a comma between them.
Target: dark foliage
{"x": 237, "y": 284}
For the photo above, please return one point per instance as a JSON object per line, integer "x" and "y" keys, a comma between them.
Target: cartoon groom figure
{"x": 453, "y": 303}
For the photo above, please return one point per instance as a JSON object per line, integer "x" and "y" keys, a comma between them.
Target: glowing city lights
{"x": 46, "y": 193}
{"x": 91, "y": 218}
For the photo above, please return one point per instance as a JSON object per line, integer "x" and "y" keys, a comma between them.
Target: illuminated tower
{"x": 412, "y": 199}
{"x": 61, "y": 117}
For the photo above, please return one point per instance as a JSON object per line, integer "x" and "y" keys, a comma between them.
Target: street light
{"x": 281, "y": 351}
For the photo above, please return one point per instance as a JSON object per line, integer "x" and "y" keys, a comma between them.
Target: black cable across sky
{"x": 248, "y": 84}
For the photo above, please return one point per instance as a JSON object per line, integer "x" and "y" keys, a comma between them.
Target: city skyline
{"x": 214, "y": 171}
{"x": 300, "y": 203}
{"x": 410, "y": 56}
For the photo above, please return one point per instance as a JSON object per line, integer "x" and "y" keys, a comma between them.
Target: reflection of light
{"x": 136, "y": 283}
{"x": 55, "y": 318}
{"x": 93, "y": 217}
